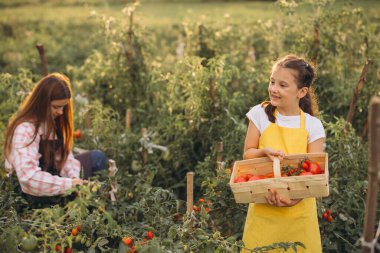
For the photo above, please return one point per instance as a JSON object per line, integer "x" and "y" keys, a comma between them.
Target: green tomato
{"x": 29, "y": 243}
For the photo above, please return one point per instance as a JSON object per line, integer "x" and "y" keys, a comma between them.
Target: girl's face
{"x": 283, "y": 90}
{"x": 56, "y": 107}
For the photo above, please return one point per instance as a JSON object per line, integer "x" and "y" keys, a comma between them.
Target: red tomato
{"x": 74, "y": 231}
{"x": 248, "y": 176}
{"x": 253, "y": 178}
{"x": 77, "y": 134}
{"x": 149, "y": 235}
{"x": 57, "y": 247}
{"x": 269, "y": 175}
{"x": 325, "y": 215}
{"x": 315, "y": 169}
{"x": 305, "y": 173}
{"x": 240, "y": 179}
{"x": 330, "y": 218}
{"x": 68, "y": 250}
{"x": 127, "y": 241}
{"x": 328, "y": 211}
{"x": 305, "y": 166}
{"x": 201, "y": 200}
{"x": 308, "y": 162}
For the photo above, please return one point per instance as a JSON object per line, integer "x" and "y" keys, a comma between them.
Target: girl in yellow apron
{"x": 285, "y": 125}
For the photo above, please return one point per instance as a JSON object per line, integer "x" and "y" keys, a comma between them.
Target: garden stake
{"x": 219, "y": 151}
{"x": 128, "y": 119}
{"x": 87, "y": 120}
{"x": 357, "y": 90}
{"x": 365, "y": 130}
{"x": 112, "y": 168}
{"x": 144, "y": 135}
{"x": 130, "y": 35}
{"x": 190, "y": 192}
{"x": 251, "y": 55}
{"x": 181, "y": 47}
{"x": 41, "y": 52}
{"x": 112, "y": 172}
{"x": 368, "y": 242}
{"x": 315, "y": 43}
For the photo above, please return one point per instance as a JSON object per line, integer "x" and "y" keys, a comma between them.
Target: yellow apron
{"x": 266, "y": 224}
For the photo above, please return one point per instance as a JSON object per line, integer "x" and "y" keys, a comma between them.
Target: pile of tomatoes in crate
{"x": 251, "y": 177}
{"x": 305, "y": 167}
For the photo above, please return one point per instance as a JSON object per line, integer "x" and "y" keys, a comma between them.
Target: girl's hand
{"x": 271, "y": 153}
{"x": 78, "y": 181}
{"x": 276, "y": 200}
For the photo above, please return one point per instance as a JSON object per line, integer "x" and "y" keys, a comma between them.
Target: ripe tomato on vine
{"x": 128, "y": 241}
{"x": 77, "y": 134}
{"x": 149, "y": 235}
{"x": 74, "y": 231}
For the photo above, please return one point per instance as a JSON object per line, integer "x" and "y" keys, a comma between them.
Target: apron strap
{"x": 302, "y": 120}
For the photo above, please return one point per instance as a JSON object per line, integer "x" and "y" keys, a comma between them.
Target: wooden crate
{"x": 292, "y": 187}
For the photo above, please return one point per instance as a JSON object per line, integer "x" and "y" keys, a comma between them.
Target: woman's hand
{"x": 78, "y": 181}
{"x": 271, "y": 153}
{"x": 276, "y": 200}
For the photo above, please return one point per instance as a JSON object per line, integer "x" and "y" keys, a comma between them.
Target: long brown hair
{"x": 306, "y": 74}
{"x": 36, "y": 109}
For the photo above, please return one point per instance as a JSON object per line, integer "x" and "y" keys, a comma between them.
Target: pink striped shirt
{"x": 24, "y": 160}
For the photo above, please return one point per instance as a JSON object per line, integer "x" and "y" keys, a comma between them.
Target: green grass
{"x": 147, "y": 14}
{"x": 159, "y": 14}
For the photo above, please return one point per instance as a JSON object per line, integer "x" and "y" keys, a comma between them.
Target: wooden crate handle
{"x": 276, "y": 167}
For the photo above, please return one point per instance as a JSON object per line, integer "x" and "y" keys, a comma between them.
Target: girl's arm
{"x": 252, "y": 142}
{"x": 25, "y": 160}
{"x": 316, "y": 146}
{"x": 71, "y": 168}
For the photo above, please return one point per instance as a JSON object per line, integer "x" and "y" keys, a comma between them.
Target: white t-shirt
{"x": 312, "y": 124}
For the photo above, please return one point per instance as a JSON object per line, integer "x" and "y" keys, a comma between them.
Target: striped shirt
{"x": 24, "y": 160}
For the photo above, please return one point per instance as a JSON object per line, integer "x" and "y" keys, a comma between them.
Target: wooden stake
{"x": 144, "y": 134}
{"x": 374, "y": 164}
{"x": 251, "y": 55}
{"x": 87, "y": 120}
{"x": 219, "y": 151}
{"x": 365, "y": 130}
{"x": 128, "y": 118}
{"x": 130, "y": 39}
{"x": 357, "y": 90}
{"x": 315, "y": 44}
{"x": 41, "y": 52}
{"x": 190, "y": 191}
